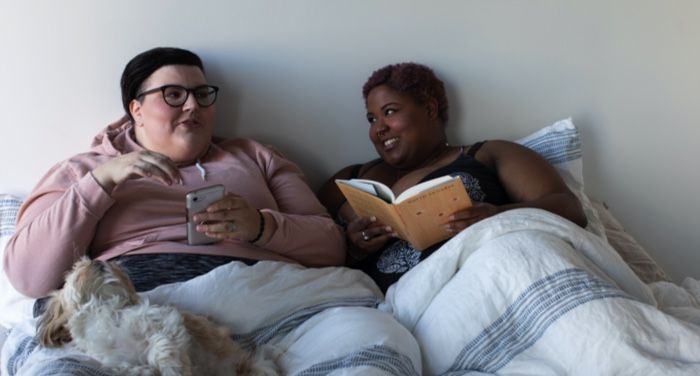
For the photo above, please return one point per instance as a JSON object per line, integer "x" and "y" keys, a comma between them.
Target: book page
{"x": 424, "y": 186}
{"x": 370, "y": 186}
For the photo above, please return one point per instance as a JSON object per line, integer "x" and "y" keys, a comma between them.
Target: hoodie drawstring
{"x": 202, "y": 170}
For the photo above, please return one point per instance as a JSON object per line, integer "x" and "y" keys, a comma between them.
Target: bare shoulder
{"x": 495, "y": 150}
{"x": 501, "y": 145}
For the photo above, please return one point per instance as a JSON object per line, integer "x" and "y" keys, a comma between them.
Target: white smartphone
{"x": 197, "y": 202}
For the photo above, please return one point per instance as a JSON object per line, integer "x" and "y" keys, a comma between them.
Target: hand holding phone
{"x": 197, "y": 201}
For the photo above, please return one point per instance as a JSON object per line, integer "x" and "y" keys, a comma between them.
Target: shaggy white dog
{"x": 99, "y": 310}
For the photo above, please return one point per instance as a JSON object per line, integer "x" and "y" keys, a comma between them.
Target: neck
{"x": 438, "y": 151}
{"x": 199, "y": 158}
{"x": 434, "y": 156}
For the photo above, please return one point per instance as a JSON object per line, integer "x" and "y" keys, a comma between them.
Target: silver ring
{"x": 365, "y": 237}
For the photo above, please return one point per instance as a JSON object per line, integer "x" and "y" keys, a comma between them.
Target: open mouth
{"x": 390, "y": 143}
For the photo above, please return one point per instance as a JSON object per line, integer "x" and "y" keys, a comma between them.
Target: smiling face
{"x": 181, "y": 133}
{"x": 403, "y": 132}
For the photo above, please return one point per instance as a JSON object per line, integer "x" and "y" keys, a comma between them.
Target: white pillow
{"x": 14, "y": 307}
{"x": 560, "y": 145}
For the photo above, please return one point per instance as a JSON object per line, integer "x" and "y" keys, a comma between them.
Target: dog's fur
{"x": 99, "y": 310}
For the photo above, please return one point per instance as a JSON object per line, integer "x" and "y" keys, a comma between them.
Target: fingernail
{"x": 387, "y": 228}
{"x": 373, "y": 219}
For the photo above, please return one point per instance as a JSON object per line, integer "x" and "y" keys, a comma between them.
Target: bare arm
{"x": 529, "y": 180}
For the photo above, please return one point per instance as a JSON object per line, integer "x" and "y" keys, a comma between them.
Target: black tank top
{"x": 387, "y": 265}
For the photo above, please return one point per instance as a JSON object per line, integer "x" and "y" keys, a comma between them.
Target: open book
{"x": 417, "y": 214}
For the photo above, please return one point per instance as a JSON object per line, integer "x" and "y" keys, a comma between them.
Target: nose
{"x": 380, "y": 128}
{"x": 190, "y": 102}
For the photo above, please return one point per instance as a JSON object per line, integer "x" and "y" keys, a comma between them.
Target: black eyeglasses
{"x": 176, "y": 95}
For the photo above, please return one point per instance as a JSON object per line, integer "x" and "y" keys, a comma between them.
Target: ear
{"x": 133, "y": 297}
{"x": 432, "y": 108}
{"x": 53, "y": 330}
{"x": 135, "y": 110}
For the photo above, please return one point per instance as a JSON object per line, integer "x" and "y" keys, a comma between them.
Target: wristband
{"x": 262, "y": 228}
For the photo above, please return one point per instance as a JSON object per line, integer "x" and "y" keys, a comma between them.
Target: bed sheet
{"x": 322, "y": 321}
{"x": 528, "y": 292}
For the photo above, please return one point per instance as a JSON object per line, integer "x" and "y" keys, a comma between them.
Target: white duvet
{"x": 521, "y": 293}
{"x": 323, "y": 321}
{"x": 528, "y": 293}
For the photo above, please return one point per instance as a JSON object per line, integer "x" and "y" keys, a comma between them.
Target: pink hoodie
{"x": 68, "y": 214}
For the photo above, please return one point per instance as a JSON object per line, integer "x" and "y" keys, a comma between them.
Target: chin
{"x": 189, "y": 149}
{"x": 393, "y": 159}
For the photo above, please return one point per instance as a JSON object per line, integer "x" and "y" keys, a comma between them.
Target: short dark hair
{"x": 416, "y": 80}
{"x": 144, "y": 64}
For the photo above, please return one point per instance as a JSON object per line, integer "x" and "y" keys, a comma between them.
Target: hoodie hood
{"x": 116, "y": 139}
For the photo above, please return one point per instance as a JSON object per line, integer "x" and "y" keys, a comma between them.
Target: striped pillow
{"x": 14, "y": 307}
{"x": 560, "y": 145}
{"x": 9, "y": 206}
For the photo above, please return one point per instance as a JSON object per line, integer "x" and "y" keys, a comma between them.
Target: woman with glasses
{"x": 124, "y": 199}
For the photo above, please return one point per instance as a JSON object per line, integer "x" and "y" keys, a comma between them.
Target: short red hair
{"x": 415, "y": 80}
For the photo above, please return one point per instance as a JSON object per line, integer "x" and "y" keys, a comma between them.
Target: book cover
{"x": 417, "y": 214}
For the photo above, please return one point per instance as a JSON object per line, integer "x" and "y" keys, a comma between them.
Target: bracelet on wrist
{"x": 262, "y": 228}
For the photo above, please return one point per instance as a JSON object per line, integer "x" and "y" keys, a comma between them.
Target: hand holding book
{"x": 418, "y": 214}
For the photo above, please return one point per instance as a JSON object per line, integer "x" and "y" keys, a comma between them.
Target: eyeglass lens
{"x": 177, "y": 95}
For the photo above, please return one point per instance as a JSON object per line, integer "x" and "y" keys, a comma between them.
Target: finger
{"x": 215, "y": 216}
{"x": 230, "y": 202}
{"x": 218, "y": 228}
{"x": 376, "y": 230}
{"x": 165, "y": 164}
{"x": 360, "y": 223}
{"x": 157, "y": 165}
{"x": 364, "y": 235}
{"x": 148, "y": 170}
{"x": 373, "y": 236}
{"x": 465, "y": 214}
{"x": 456, "y": 226}
{"x": 378, "y": 240}
{"x": 222, "y": 215}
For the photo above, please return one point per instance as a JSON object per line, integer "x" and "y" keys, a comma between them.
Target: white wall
{"x": 291, "y": 73}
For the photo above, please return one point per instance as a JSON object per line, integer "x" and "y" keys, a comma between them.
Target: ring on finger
{"x": 365, "y": 237}
{"x": 230, "y": 226}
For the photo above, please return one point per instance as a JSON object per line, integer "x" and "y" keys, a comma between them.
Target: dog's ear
{"x": 133, "y": 296}
{"x": 53, "y": 329}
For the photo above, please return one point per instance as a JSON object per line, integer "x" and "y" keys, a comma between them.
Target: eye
{"x": 371, "y": 119}
{"x": 203, "y": 92}
{"x": 389, "y": 111}
{"x": 174, "y": 93}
